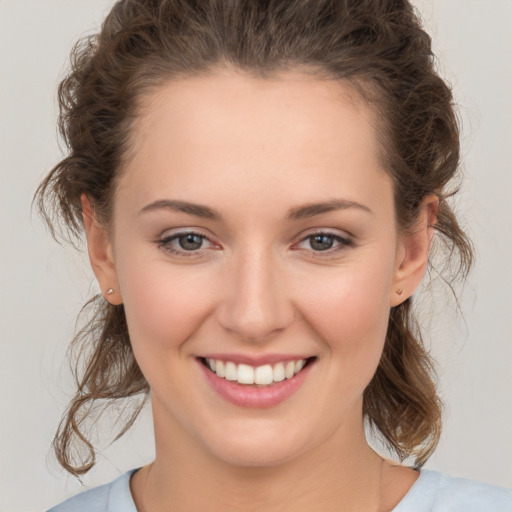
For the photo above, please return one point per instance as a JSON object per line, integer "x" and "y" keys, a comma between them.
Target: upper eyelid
{"x": 344, "y": 235}
{"x": 344, "y": 242}
{"x": 176, "y": 232}
{"x": 166, "y": 244}
{"x": 174, "y": 236}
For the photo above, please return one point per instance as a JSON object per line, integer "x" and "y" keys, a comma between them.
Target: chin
{"x": 244, "y": 455}
{"x": 264, "y": 444}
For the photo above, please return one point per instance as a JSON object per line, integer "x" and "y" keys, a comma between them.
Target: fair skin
{"x": 254, "y": 284}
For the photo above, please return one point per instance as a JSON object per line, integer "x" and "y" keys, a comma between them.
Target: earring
{"x": 110, "y": 291}
{"x": 399, "y": 291}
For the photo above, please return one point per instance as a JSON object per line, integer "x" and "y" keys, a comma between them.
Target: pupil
{"x": 190, "y": 242}
{"x": 321, "y": 242}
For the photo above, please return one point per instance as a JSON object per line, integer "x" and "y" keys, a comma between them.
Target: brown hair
{"x": 378, "y": 46}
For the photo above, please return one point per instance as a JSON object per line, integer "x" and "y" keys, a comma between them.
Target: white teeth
{"x": 261, "y": 375}
{"x": 289, "y": 371}
{"x": 299, "y": 365}
{"x": 219, "y": 369}
{"x": 230, "y": 371}
{"x": 245, "y": 374}
{"x": 279, "y": 372}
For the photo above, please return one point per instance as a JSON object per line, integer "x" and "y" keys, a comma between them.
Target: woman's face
{"x": 254, "y": 227}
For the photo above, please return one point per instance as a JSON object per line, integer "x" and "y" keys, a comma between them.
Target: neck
{"x": 343, "y": 473}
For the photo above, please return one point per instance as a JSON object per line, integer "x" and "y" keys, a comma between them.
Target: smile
{"x": 260, "y": 384}
{"x": 263, "y": 375}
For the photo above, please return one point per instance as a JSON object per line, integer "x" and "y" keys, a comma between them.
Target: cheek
{"x": 350, "y": 313}
{"x": 164, "y": 304}
{"x": 165, "y": 307}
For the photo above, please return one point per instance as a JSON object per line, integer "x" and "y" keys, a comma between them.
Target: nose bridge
{"x": 256, "y": 305}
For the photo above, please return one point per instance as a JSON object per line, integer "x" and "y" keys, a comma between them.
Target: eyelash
{"x": 165, "y": 243}
{"x": 343, "y": 243}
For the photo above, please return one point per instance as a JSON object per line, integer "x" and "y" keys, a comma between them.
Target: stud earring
{"x": 110, "y": 291}
{"x": 399, "y": 291}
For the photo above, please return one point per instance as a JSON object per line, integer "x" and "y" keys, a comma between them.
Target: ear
{"x": 413, "y": 252}
{"x": 100, "y": 254}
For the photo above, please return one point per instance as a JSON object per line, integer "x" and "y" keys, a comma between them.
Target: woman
{"x": 259, "y": 184}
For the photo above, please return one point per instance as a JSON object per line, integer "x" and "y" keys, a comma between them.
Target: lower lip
{"x": 253, "y": 396}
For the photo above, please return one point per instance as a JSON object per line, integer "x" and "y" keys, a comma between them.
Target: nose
{"x": 255, "y": 305}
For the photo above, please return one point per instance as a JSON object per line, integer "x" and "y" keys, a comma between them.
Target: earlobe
{"x": 413, "y": 253}
{"x": 100, "y": 253}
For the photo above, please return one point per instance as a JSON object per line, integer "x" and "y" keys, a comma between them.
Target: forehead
{"x": 228, "y": 99}
{"x": 291, "y": 132}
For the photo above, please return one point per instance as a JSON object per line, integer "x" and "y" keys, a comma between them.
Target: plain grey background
{"x": 42, "y": 285}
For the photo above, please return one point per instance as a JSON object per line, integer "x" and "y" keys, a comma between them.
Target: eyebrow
{"x": 184, "y": 207}
{"x": 310, "y": 210}
{"x": 300, "y": 212}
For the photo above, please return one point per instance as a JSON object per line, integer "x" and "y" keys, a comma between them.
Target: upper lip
{"x": 255, "y": 360}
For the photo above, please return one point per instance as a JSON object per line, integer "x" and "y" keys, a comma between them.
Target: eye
{"x": 190, "y": 241}
{"x": 321, "y": 242}
{"x": 325, "y": 242}
{"x": 185, "y": 243}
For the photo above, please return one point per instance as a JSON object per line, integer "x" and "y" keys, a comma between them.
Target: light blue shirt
{"x": 432, "y": 492}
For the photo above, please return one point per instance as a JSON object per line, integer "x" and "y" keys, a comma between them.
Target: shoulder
{"x": 436, "y": 492}
{"x": 112, "y": 497}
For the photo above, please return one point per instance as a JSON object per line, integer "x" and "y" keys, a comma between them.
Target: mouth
{"x": 265, "y": 375}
